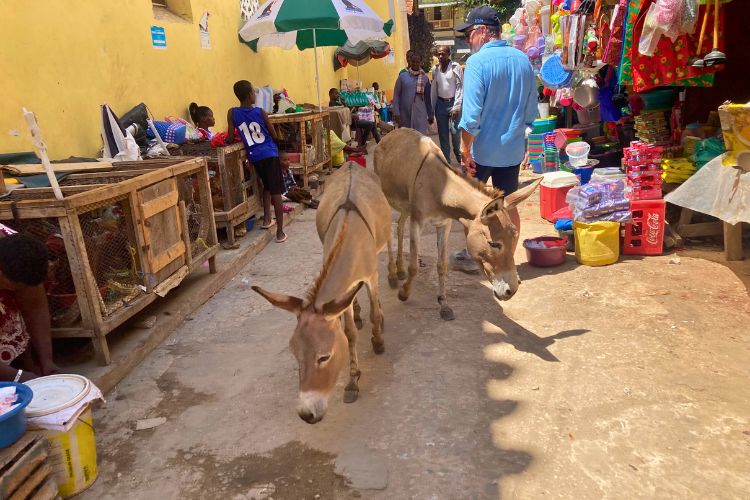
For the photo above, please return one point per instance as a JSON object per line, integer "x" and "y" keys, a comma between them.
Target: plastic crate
{"x": 645, "y": 235}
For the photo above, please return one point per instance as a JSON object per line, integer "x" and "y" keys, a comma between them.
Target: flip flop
{"x": 273, "y": 223}
{"x": 283, "y": 239}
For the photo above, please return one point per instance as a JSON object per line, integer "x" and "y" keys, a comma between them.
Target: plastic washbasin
{"x": 552, "y": 255}
{"x": 13, "y": 423}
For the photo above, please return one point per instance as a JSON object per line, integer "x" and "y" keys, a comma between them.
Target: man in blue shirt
{"x": 499, "y": 102}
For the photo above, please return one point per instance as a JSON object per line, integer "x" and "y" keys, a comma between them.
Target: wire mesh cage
{"x": 116, "y": 241}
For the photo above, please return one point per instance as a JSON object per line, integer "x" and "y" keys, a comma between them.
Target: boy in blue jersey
{"x": 259, "y": 137}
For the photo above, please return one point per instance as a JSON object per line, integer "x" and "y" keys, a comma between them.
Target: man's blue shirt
{"x": 500, "y": 101}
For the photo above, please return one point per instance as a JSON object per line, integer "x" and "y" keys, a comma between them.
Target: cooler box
{"x": 645, "y": 235}
{"x": 554, "y": 187}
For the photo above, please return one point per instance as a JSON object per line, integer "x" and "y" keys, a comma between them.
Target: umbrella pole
{"x": 317, "y": 77}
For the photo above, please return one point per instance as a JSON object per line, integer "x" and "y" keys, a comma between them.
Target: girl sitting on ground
{"x": 203, "y": 118}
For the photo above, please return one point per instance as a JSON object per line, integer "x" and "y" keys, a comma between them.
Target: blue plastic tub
{"x": 250, "y": 223}
{"x": 13, "y": 423}
{"x": 537, "y": 166}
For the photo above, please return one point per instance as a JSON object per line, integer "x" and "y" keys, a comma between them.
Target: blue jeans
{"x": 443, "y": 117}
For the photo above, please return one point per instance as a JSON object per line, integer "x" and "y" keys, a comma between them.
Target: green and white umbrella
{"x": 309, "y": 24}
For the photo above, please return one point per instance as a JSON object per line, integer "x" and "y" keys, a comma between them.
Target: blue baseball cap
{"x": 481, "y": 15}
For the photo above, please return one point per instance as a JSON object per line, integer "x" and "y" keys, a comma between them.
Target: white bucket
{"x": 543, "y": 108}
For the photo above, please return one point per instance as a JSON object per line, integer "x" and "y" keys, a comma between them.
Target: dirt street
{"x": 628, "y": 381}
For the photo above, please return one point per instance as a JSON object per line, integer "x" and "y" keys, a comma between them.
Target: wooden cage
{"x": 295, "y": 130}
{"x": 117, "y": 240}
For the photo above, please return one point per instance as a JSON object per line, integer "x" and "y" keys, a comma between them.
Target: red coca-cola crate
{"x": 645, "y": 235}
{"x": 645, "y": 192}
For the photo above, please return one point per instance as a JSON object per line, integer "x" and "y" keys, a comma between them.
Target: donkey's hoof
{"x": 446, "y": 313}
{"x": 359, "y": 323}
{"x": 401, "y": 275}
{"x": 351, "y": 393}
{"x": 378, "y": 345}
{"x": 393, "y": 282}
{"x": 403, "y": 296}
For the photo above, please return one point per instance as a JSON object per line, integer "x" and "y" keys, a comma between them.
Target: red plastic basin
{"x": 553, "y": 253}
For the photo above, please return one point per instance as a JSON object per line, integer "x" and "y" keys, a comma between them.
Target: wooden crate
{"x": 117, "y": 241}
{"x": 299, "y": 126}
{"x": 25, "y": 471}
{"x": 234, "y": 188}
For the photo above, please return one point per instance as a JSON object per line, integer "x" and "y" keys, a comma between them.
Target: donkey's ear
{"x": 337, "y": 306}
{"x": 492, "y": 207}
{"x": 520, "y": 195}
{"x": 286, "y": 302}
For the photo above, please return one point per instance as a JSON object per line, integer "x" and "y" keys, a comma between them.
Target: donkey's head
{"x": 491, "y": 239}
{"x": 320, "y": 346}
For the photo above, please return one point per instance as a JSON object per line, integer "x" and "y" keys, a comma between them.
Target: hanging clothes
{"x": 670, "y": 64}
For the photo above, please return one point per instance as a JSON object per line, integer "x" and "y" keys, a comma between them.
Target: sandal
{"x": 269, "y": 226}
{"x": 282, "y": 239}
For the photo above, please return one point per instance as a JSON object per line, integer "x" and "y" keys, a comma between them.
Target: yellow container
{"x": 598, "y": 243}
{"x": 73, "y": 455}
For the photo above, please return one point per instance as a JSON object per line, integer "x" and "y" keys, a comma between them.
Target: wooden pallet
{"x": 25, "y": 472}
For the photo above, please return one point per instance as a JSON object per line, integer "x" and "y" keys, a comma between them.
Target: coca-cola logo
{"x": 652, "y": 222}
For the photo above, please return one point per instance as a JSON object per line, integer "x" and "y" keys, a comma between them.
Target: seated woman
{"x": 365, "y": 121}
{"x": 203, "y": 118}
{"x": 25, "y": 332}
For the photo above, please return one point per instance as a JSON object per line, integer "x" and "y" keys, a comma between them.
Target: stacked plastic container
{"x": 645, "y": 235}
{"x": 551, "y": 155}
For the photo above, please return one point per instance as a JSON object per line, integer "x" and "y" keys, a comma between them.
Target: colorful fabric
{"x": 669, "y": 65}
{"x": 421, "y": 77}
{"x": 289, "y": 181}
{"x": 14, "y": 339}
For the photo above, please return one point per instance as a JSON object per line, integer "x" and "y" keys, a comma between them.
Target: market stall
{"x": 117, "y": 240}
{"x": 613, "y": 76}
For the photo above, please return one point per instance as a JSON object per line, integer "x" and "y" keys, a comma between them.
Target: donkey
{"x": 424, "y": 188}
{"x": 354, "y": 225}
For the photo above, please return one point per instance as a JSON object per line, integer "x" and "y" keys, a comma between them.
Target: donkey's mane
{"x": 335, "y": 249}
{"x": 471, "y": 181}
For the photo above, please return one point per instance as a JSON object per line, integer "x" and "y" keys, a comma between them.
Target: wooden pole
{"x": 716, "y": 24}
{"x": 704, "y": 24}
{"x": 36, "y": 137}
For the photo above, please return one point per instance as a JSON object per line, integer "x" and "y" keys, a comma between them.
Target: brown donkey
{"x": 354, "y": 224}
{"x": 422, "y": 187}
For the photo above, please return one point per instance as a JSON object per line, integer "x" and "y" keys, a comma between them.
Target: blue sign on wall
{"x": 158, "y": 37}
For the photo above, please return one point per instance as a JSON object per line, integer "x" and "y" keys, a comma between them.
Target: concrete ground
{"x": 627, "y": 381}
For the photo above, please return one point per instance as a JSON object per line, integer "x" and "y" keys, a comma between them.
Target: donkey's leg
{"x": 400, "y": 246}
{"x": 392, "y": 278}
{"x": 351, "y": 392}
{"x": 358, "y": 314}
{"x": 443, "y": 233}
{"x": 376, "y": 315}
{"x": 414, "y": 234}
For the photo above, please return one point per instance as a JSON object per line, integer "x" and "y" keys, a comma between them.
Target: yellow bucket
{"x": 598, "y": 243}
{"x": 73, "y": 455}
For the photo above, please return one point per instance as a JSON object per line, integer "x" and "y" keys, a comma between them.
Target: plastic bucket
{"x": 578, "y": 153}
{"x": 13, "y": 423}
{"x": 598, "y": 243}
{"x": 73, "y": 455}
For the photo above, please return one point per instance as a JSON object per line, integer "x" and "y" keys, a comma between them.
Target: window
{"x": 437, "y": 13}
{"x": 172, "y": 10}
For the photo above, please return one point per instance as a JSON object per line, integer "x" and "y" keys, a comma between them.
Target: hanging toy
{"x": 592, "y": 44}
{"x": 506, "y": 35}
